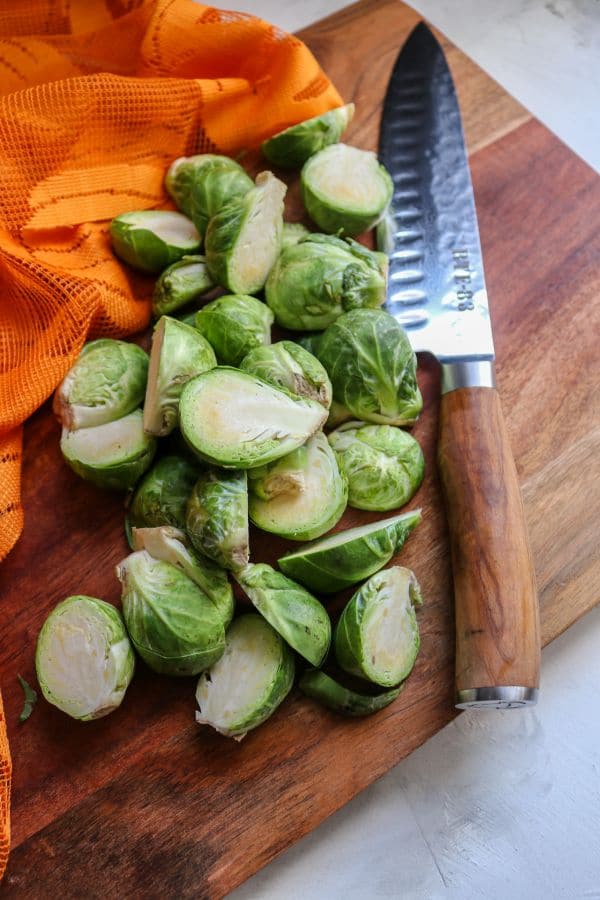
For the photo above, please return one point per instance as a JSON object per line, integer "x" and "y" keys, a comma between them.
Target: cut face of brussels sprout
{"x": 377, "y": 636}
{"x": 315, "y": 281}
{"x": 345, "y": 558}
{"x": 333, "y": 695}
{"x": 173, "y": 625}
{"x": 162, "y": 495}
{"x": 295, "y": 614}
{"x": 217, "y": 517}
{"x": 184, "y": 281}
{"x": 244, "y": 238}
{"x": 345, "y": 190}
{"x": 307, "y": 513}
{"x": 285, "y": 476}
{"x": 292, "y": 147}
{"x": 110, "y": 456}
{"x": 234, "y": 325}
{"x": 218, "y": 183}
{"x": 84, "y": 661}
{"x": 288, "y": 365}
{"x": 372, "y": 367}
{"x": 254, "y": 675}
{"x": 238, "y": 421}
{"x": 293, "y": 233}
{"x": 107, "y": 381}
{"x": 152, "y": 239}
{"x": 178, "y": 353}
{"x": 384, "y": 465}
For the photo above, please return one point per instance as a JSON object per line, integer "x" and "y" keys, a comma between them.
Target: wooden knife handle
{"x": 497, "y": 616}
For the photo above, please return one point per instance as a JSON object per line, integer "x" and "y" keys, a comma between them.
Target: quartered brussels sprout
{"x": 292, "y": 147}
{"x": 106, "y": 381}
{"x": 111, "y": 456}
{"x": 293, "y": 233}
{"x": 383, "y": 464}
{"x": 184, "y": 281}
{"x": 315, "y": 281}
{"x": 243, "y": 239}
{"x": 247, "y": 684}
{"x": 330, "y": 693}
{"x": 161, "y": 496}
{"x": 84, "y": 661}
{"x": 234, "y": 325}
{"x": 345, "y": 190}
{"x": 288, "y": 365}
{"x": 372, "y": 367}
{"x": 377, "y": 636}
{"x": 152, "y": 239}
{"x": 201, "y": 185}
{"x": 178, "y": 353}
{"x": 343, "y": 559}
{"x": 173, "y": 625}
{"x": 315, "y": 500}
{"x": 217, "y": 517}
{"x": 173, "y": 546}
{"x": 295, "y": 614}
{"x": 238, "y": 421}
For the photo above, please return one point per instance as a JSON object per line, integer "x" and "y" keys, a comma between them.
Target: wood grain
{"x": 144, "y": 802}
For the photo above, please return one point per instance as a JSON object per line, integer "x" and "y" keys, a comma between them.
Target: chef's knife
{"x": 437, "y": 292}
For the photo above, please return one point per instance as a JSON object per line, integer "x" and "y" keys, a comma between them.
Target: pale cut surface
{"x": 349, "y": 177}
{"x": 152, "y": 413}
{"x": 105, "y": 444}
{"x": 171, "y": 227}
{"x": 258, "y": 243}
{"x": 390, "y": 628}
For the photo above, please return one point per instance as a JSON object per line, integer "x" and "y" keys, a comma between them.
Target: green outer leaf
{"x": 181, "y": 174}
{"x": 293, "y": 233}
{"x": 235, "y": 324}
{"x": 292, "y": 147}
{"x": 218, "y": 183}
{"x": 29, "y": 701}
{"x": 179, "y": 284}
{"x": 322, "y": 688}
{"x": 136, "y": 243}
{"x": 162, "y": 495}
{"x": 217, "y": 517}
{"x": 288, "y": 365}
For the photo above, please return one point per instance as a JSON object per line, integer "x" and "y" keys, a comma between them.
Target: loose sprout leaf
{"x": 330, "y": 693}
{"x": 30, "y": 699}
{"x": 293, "y": 146}
{"x": 152, "y": 239}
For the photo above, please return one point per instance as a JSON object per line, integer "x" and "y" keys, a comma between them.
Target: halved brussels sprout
{"x": 315, "y": 281}
{"x": 248, "y": 683}
{"x": 238, "y": 421}
{"x": 377, "y": 636}
{"x": 243, "y": 239}
{"x": 173, "y": 625}
{"x": 106, "y": 381}
{"x": 288, "y": 365}
{"x": 292, "y": 147}
{"x": 372, "y": 367}
{"x": 325, "y": 690}
{"x": 152, "y": 239}
{"x": 383, "y": 464}
{"x": 345, "y": 190}
{"x": 200, "y": 185}
{"x": 84, "y": 661}
{"x": 307, "y": 513}
{"x": 345, "y": 558}
{"x": 162, "y": 495}
{"x": 111, "y": 456}
{"x": 295, "y": 614}
{"x": 178, "y": 353}
{"x": 284, "y": 476}
{"x": 184, "y": 281}
{"x": 217, "y": 517}
{"x": 293, "y": 233}
{"x": 235, "y": 324}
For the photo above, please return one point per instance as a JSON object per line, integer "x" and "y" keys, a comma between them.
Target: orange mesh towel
{"x": 5, "y": 772}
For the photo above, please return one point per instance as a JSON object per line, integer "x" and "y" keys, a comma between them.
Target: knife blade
{"x": 436, "y": 290}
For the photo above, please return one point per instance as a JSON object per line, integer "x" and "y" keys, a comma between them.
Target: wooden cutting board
{"x": 144, "y": 803}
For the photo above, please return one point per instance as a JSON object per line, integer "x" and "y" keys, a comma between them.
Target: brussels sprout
{"x": 200, "y": 185}
{"x": 383, "y": 464}
{"x": 106, "y": 381}
{"x": 288, "y": 365}
{"x": 284, "y": 476}
{"x": 248, "y": 683}
{"x": 322, "y": 688}
{"x": 385, "y": 239}
{"x": 238, "y": 421}
{"x": 235, "y": 324}
{"x": 292, "y": 147}
{"x": 345, "y": 190}
{"x": 293, "y": 233}
{"x": 345, "y": 558}
{"x": 182, "y": 173}
{"x": 306, "y": 513}
{"x": 173, "y": 625}
{"x": 377, "y": 636}
{"x": 243, "y": 239}
{"x": 162, "y": 495}
{"x": 217, "y": 517}
{"x": 295, "y": 614}
{"x": 178, "y": 353}
{"x": 84, "y": 661}
{"x": 372, "y": 367}
{"x": 184, "y": 281}
{"x": 173, "y": 546}
{"x": 152, "y": 239}
{"x": 111, "y": 456}
{"x": 315, "y": 281}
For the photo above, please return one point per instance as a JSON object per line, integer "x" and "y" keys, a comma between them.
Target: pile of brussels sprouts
{"x": 245, "y": 418}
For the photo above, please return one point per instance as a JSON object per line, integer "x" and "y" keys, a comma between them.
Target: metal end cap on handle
{"x": 503, "y": 697}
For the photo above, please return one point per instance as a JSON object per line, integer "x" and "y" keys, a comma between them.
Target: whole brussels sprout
{"x": 181, "y": 175}
{"x": 315, "y": 281}
{"x": 152, "y": 239}
{"x": 217, "y": 517}
{"x": 340, "y": 699}
{"x": 184, "y": 281}
{"x": 161, "y": 496}
{"x": 235, "y": 324}
{"x": 293, "y": 233}
{"x": 201, "y": 185}
{"x": 106, "y": 381}
{"x": 288, "y": 365}
{"x": 383, "y": 464}
{"x": 292, "y": 147}
{"x": 84, "y": 661}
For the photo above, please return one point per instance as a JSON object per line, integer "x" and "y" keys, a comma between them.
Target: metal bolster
{"x": 468, "y": 373}
{"x": 511, "y": 696}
